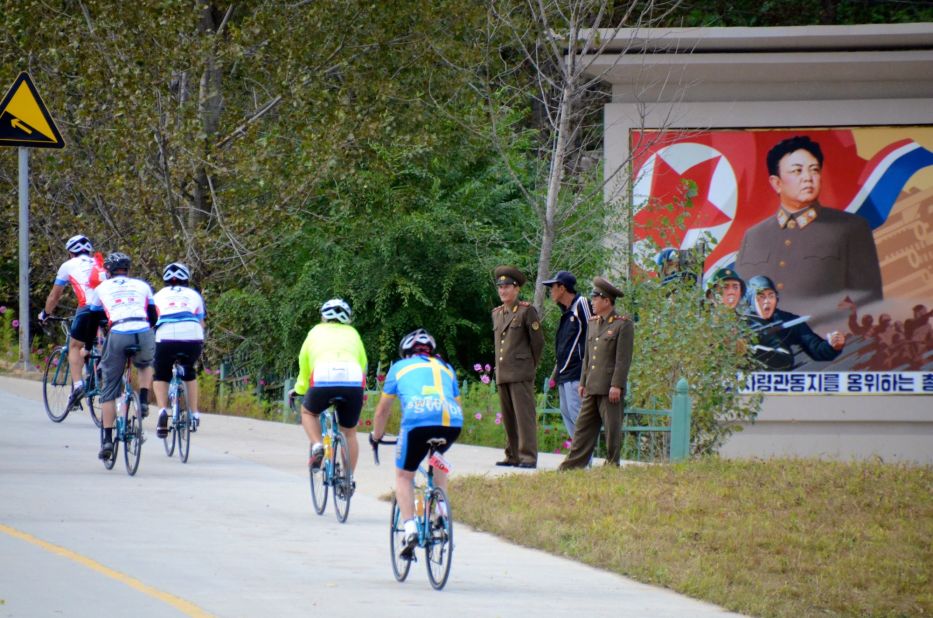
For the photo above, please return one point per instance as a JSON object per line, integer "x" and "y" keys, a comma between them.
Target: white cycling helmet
{"x": 336, "y": 309}
{"x": 176, "y": 270}
{"x": 414, "y": 339}
{"x": 78, "y": 244}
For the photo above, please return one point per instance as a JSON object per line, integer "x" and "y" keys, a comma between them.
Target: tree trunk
{"x": 555, "y": 177}
{"x": 210, "y": 105}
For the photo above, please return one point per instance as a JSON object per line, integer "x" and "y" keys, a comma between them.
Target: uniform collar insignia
{"x": 799, "y": 219}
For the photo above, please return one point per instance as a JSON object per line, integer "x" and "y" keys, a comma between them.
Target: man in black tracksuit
{"x": 571, "y": 344}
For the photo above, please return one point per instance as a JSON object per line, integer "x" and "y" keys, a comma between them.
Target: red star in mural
{"x": 665, "y": 218}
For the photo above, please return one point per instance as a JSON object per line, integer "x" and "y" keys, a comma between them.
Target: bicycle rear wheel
{"x": 184, "y": 426}
{"x": 318, "y": 485}
{"x": 133, "y": 437}
{"x": 169, "y": 440}
{"x": 93, "y": 384}
{"x": 400, "y": 566}
{"x": 56, "y": 384}
{"x": 439, "y": 548}
{"x": 343, "y": 478}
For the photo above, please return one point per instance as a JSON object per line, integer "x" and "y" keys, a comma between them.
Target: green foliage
{"x": 677, "y": 335}
{"x": 9, "y": 347}
{"x": 798, "y": 12}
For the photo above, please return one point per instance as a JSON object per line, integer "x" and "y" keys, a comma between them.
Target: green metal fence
{"x": 647, "y": 434}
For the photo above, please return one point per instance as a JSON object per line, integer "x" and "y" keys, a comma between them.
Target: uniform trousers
{"x": 520, "y": 418}
{"x": 596, "y": 412}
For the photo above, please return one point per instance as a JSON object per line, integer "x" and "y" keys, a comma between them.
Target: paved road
{"x": 232, "y": 533}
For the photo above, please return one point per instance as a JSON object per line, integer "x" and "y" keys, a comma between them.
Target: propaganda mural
{"x": 837, "y": 222}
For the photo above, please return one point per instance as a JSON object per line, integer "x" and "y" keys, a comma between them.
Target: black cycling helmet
{"x": 176, "y": 271}
{"x": 760, "y": 283}
{"x": 79, "y": 244}
{"x": 416, "y": 339}
{"x": 117, "y": 261}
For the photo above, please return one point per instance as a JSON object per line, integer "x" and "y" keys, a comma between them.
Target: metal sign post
{"x": 24, "y": 341}
{"x": 25, "y": 122}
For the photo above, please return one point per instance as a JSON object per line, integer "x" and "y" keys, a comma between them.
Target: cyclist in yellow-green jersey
{"x": 332, "y": 363}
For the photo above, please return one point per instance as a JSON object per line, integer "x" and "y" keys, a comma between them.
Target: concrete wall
{"x": 894, "y": 428}
{"x": 816, "y": 76}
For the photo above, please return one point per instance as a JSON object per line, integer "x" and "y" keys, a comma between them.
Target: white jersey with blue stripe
{"x": 181, "y": 311}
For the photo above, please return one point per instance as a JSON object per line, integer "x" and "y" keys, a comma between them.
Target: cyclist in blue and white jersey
{"x": 179, "y": 330}
{"x": 332, "y": 363}
{"x": 131, "y": 311}
{"x": 430, "y": 401}
{"x": 77, "y": 272}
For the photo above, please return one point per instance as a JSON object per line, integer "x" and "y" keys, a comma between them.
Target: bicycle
{"x": 432, "y": 516}
{"x": 180, "y": 424}
{"x": 129, "y": 425}
{"x": 334, "y": 470}
{"x": 56, "y": 380}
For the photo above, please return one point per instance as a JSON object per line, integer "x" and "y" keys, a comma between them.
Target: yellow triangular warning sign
{"x": 24, "y": 119}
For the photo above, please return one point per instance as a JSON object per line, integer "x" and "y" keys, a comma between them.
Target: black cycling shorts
{"x": 412, "y": 445}
{"x": 166, "y": 352}
{"x": 85, "y": 324}
{"x": 317, "y": 399}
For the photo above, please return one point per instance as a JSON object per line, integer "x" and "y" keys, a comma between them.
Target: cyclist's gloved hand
{"x": 372, "y": 440}
{"x": 43, "y": 316}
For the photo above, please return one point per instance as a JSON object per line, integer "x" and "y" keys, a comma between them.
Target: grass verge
{"x": 776, "y": 538}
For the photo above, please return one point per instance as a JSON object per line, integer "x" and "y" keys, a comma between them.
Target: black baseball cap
{"x": 564, "y": 278}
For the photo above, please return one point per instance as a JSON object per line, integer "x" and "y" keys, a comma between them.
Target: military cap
{"x": 564, "y": 278}
{"x": 508, "y": 275}
{"x": 604, "y": 287}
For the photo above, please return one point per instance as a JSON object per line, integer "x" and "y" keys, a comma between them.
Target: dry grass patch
{"x": 776, "y": 538}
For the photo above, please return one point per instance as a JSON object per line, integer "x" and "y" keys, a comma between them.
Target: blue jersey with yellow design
{"x": 427, "y": 390}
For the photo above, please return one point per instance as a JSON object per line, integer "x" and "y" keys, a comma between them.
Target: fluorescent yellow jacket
{"x": 332, "y": 355}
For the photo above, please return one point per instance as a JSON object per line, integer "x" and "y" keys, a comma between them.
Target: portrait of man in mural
{"x": 815, "y": 255}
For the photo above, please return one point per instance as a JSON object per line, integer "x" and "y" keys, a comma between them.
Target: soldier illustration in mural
{"x": 777, "y": 331}
{"x": 815, "y": 255}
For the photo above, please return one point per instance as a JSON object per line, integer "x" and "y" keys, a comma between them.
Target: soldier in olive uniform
{"x": 815, "y": 255}
{"x": 518, "y": 343}
{"x": 609, "y": 341}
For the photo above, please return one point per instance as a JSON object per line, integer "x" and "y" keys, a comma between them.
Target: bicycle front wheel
{"x": 318, "y": 478}
{"x": 169, "y": 440}
{"x": 439, "y": 548}
{"x": 56, "y": 384}
{"x": 400, "y": 566}
{"x": 184, "y": 426}
{"x": 343, "y": 478}
{"x": 133, "y": 436}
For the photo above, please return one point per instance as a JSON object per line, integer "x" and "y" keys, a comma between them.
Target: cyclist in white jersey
{"x": 180, "y": 330}
{"x": 130, "y": 308}
{"x": 77, "y": 272}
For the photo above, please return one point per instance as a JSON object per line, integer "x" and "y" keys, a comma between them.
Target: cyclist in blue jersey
{"x": 430, "y": 402}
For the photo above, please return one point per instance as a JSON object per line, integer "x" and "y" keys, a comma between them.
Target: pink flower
{"x": 368, "y": 422}
{"x": 478, "y": 416}
{"x": 381, "y": 377}
{"x": 488, "y": 368}
{"x": 498, "y": 420}
{"x": 566, "y": 443}
{"x": 485, "y": 379}
{"x": 557, "y": 450}
{"x": 262, "y": 382}
{"x": 3, "y": 310}
{"x": 477, "y": 367}
{"x": 15, "y": 324}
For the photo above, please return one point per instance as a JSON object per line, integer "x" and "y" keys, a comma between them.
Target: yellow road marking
{"x": 186, "y": 607}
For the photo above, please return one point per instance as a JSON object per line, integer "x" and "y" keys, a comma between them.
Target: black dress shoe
{"x": 506, "y": 463}
{"x": 527, "y": 464}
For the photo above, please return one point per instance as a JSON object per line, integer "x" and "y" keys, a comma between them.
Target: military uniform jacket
{"x": 818, "y": 252}
{"x": 609, "y": 343}
{"x": 518, "y": 342}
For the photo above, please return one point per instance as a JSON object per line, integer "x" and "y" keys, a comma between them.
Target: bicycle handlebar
{"x": 375, "y": 444}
